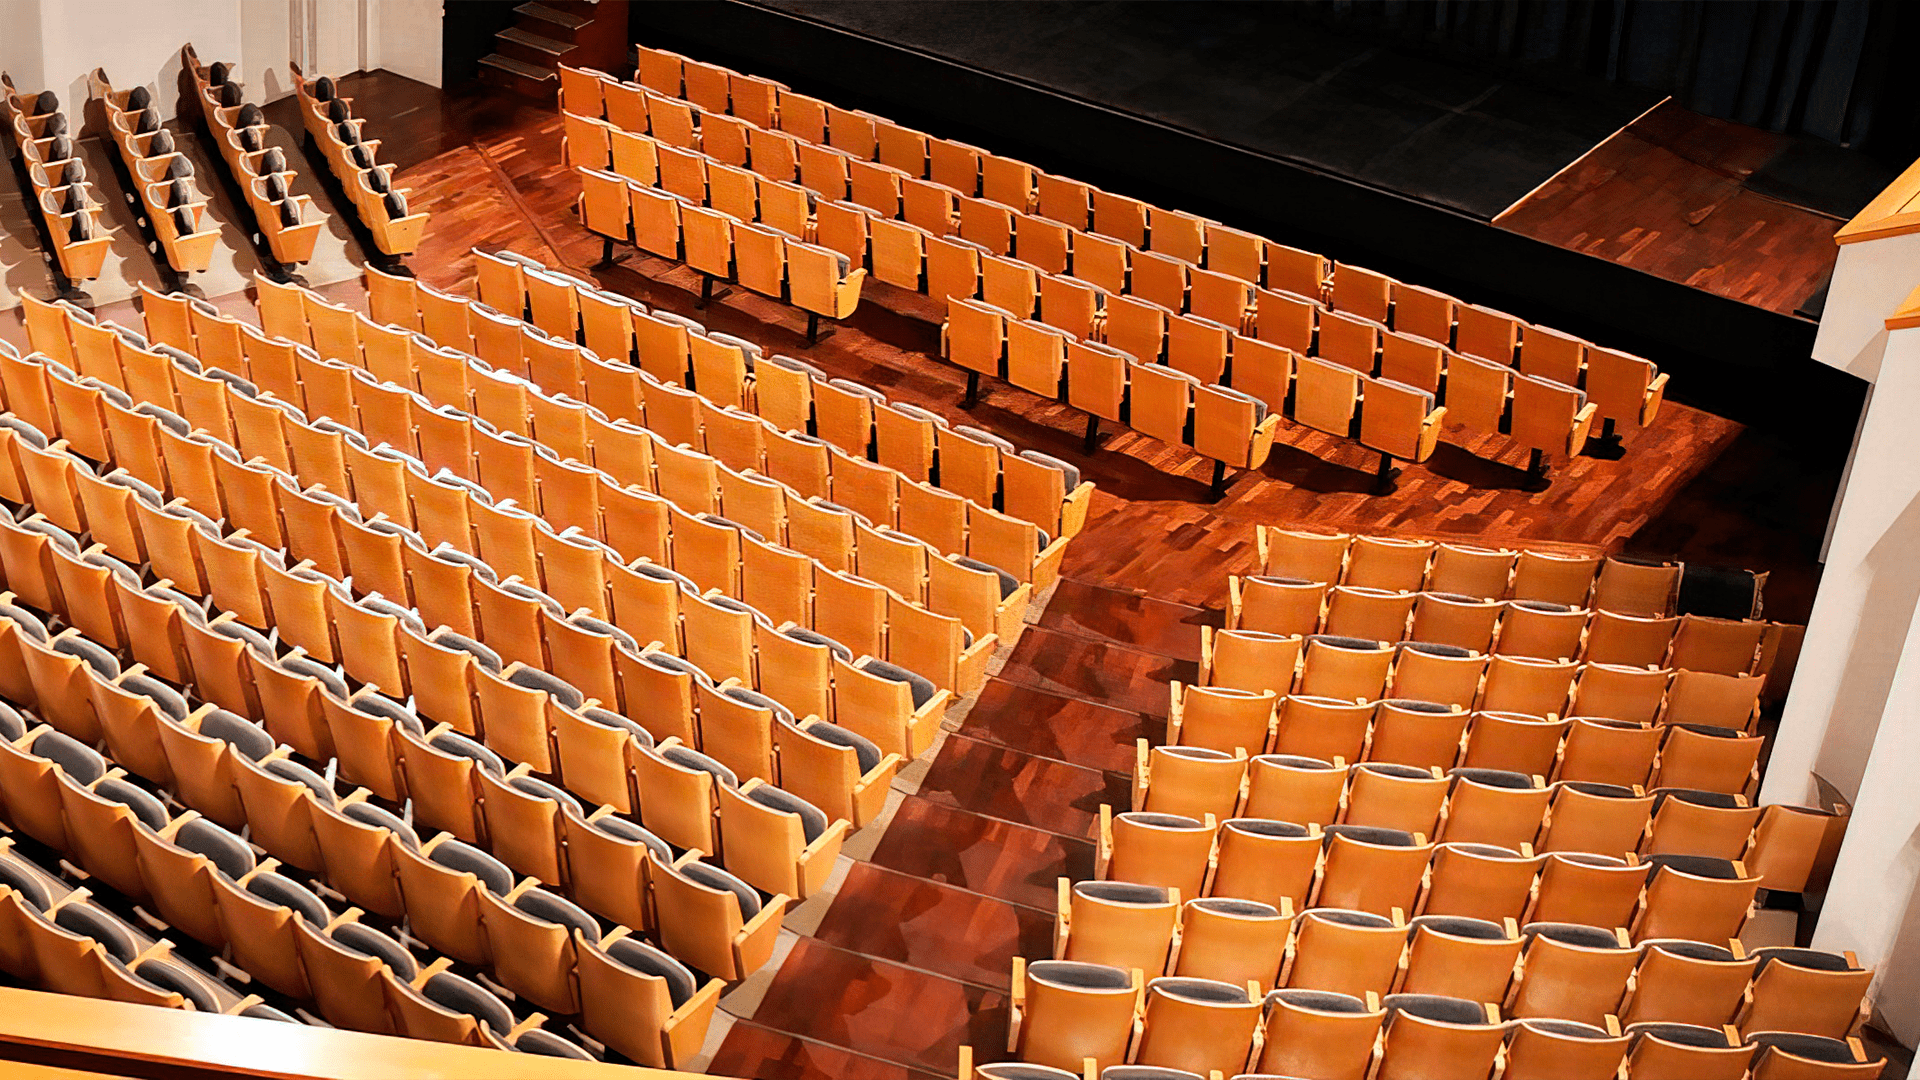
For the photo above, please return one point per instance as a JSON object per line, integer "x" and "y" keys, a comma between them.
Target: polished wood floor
{"x": 1667, "y": 194}
{"x": 911, "y": 958}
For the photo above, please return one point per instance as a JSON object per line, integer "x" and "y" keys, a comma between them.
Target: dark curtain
{"x": 1831, "y": 69}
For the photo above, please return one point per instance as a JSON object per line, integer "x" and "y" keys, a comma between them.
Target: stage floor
{"x": 1238, "y": 73}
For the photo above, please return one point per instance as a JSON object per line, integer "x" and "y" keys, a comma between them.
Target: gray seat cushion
{"x": 89, "y": 921}
{"x": 544, "y": 905}
{"x": 701, "y": 873}
{"x": 247, "y": 738}
{"x": 149, "y": 810}
{"x": 688, "y": 758}
{"x": 540, "y": 789}
{"x": 463, "y": 995}
{"x": 174, "y": 976}
{"x": 452, "y": 742}
{"x": 921, "y": 687}
{"x": 366, "y": 941}
{"x": 1203, "y": 990}
{"x": 623, "y": 829}
{"x": 277, "y": 888}
{"x": 465, "y": 858}
{"x": 367, "y": 813}
{"x": 1319, "y": 1000}
{"x": 1078, "y": 975}
{"x": 636, "y": 954}
{"x": 1371, "y": 834}
{"x": 229, "y": 854}
{"x": 813, "y": 822}
{"x": 76, "y": 759}
{"x": 1447, "y": 1010}
{"x": 865, "y": 753}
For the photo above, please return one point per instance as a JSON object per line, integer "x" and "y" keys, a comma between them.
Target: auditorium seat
{"x": 1571, "y": 972}
{"x": 1781, "y": 1055}
{"x": 1319, "y": 1033}
{"x": 1164, "y": 850}
{"x": 1544, "y": 1048}
{"x": 1197, "y": 1025}
{"x": 289, "y": 223}
{"x": 1426, "y": 1035}
{"x": 1687, "y": 982}
{"x": 383, "y": 209}
{"x": 1708, "y": 1053}
{"x": 1116, "y": 923}
{"x": 1063, "y": 1012}
{"x": 711, "y": 919}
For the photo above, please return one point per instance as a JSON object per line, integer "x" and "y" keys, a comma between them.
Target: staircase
{"x": 547, "y": 33}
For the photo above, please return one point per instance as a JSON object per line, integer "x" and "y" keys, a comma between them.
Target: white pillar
{"x": 1873, "y": 904}
{"x": 1871, "y": 578}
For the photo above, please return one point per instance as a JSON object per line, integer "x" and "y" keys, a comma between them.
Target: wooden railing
{"x": 93, "y": 1037}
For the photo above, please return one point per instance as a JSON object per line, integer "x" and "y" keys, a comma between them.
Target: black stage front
{"x": 1369, "y": 153}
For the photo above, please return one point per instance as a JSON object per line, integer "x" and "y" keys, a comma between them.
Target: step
{"x": 564, "y": 20}
{"x": 529, "y": 40}
{"x": 517, "y": 67}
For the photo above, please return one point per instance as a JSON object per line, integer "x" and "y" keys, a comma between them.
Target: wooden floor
{"x": 911, "y": 958}
{"x": 1667, "y": 194}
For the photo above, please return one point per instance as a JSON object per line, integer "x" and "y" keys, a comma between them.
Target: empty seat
{"x": 1064, "y": 1012}
{"x": 1318, "y": 1033}
{"x": 1116, "y": 923}
{"x": 1571, "y": 972}
{"x": 1165, "y": 850}
{"x": 1426, "y": 1035}
{"x": 1783, "y": 1055}
{"x": 1199, "y": 1025}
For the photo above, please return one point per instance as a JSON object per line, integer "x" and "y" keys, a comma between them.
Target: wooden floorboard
{"x": 1667, "y": 195}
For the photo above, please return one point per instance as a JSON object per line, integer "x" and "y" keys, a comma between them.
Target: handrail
{"x": 1893, "y": 212}
{"x": 97, "y": 1033}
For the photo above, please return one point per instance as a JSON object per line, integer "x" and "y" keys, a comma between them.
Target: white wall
{"x": 1868, "y": 592}
{"x": 1873, "y": 905}
{"x": 1870, "y": 279}
{"x": 56, "y": 44}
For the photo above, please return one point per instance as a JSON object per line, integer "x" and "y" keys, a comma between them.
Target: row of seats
{"x": 1427, "y": 734}
{"x": 1593, "y": 829}
{"x": 446, "y": 507}
{"x": 163, "y": 178}
{"x": 499, "y": 690}
{"x": 1103, "y": 237}
{"x": 1537, "y": 629}
{"x": 1347, "y": 673}
{"x": 823, "y": 456}
{"x": 502, "y": 433}
{"x": 60, "y": 936}
{"x": 1037, "y": 351}
{"x": 496, "y": 638}
{"x": 928, "y": 237}
{"x": 1218, "y": 422}
{"x": 1478, "y": 806}
{"x": 1397, "y": 419}
{"x": 206, "y": 881}
{"x": 354, "y": 161}
{"x": 1276, "y": 860}
{"x": 814, "y": 279}
{"x": 1546, "y": 970}
{"x": 1627, "y": 586}
{"x": 290, "y": 223}
{"x": 531, "y": 722}
{"x": 1078, "y": 1020}
{"x": 730, "y": 372}
{"x": 58, "y": 185}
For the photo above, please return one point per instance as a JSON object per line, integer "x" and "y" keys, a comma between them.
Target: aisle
{"x": 912, "y": 958}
